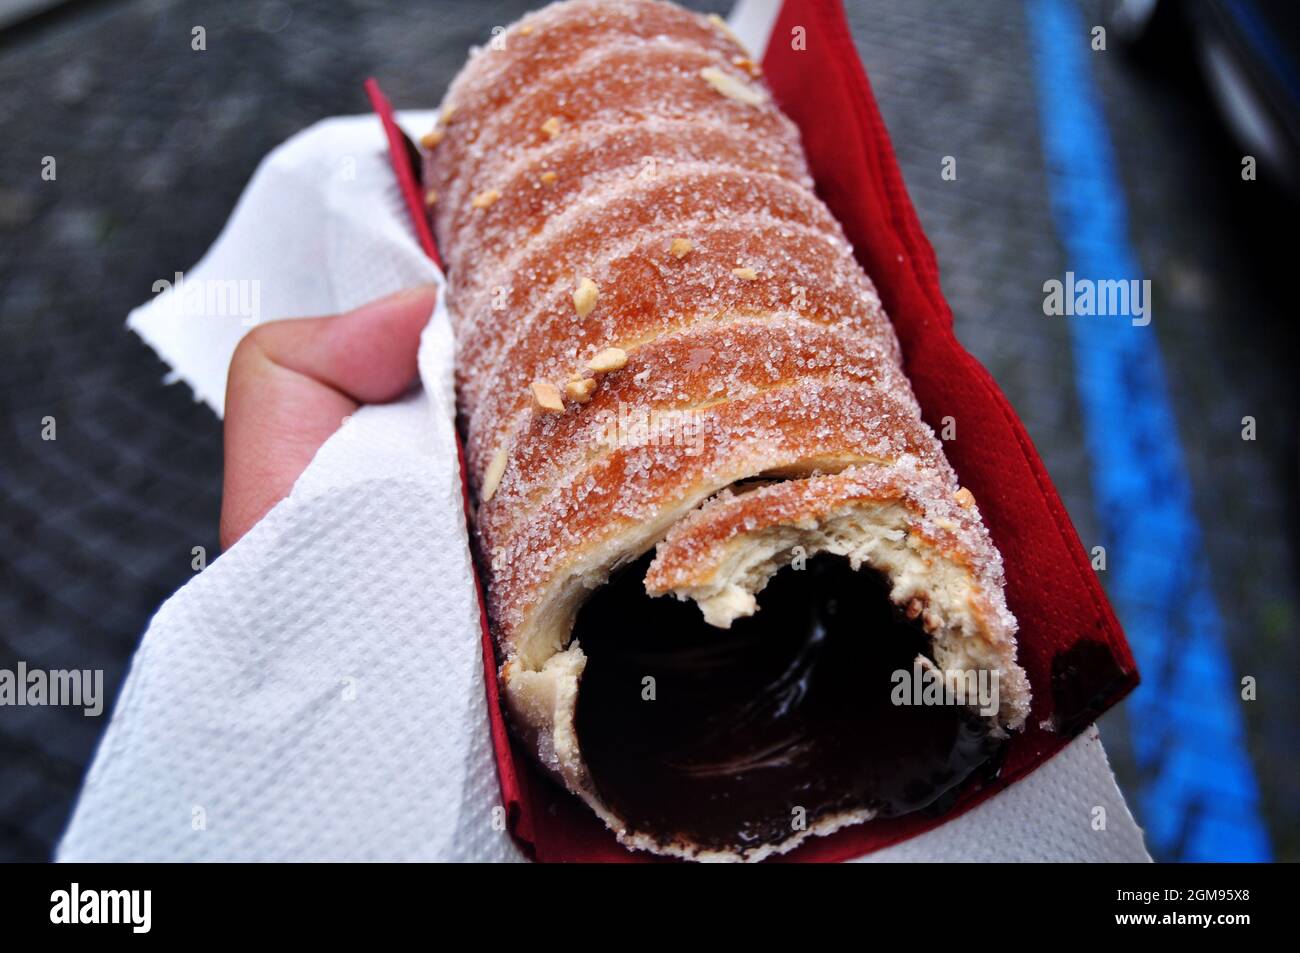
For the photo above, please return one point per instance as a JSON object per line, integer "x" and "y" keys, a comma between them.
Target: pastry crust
{"x": 650, "y": 202}
{"x": 930, "y": 545}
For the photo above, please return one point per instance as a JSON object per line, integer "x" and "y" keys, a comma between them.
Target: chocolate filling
{"x": 788, "y": 709}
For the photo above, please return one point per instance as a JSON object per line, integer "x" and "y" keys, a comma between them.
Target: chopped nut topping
{"x": 748, "y": 65}
{"x": 680, "y": 247}
{"x": 584, "y": 297}
{"x": 732, "y": 88}
{"x": 447, "y": 113}
{"x": 546, "y": 397}
{"x": 496, "y": 469}
{"x": 431, "y": 138}
{"x": 946, "y": 524}
{"x": 526, "y": 29}
{"x": 551, "y": 127}
{"x": 431, "y": 198}
{"x": 484, "y": 199}
{"x": 745, "y": 274}
{"x": 580, "y": 390}
{"x": 610, "y": 359}
{"x": 965, "y": 498}
{"x": 548, "y": 178}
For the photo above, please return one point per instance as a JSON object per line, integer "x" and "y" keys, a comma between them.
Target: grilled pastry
{"x": 713, "y": 526}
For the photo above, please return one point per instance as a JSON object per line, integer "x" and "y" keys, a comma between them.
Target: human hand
{"x": 291, "y": 385}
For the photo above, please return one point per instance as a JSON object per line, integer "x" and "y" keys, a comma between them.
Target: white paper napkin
{"x": 317, "y": 691}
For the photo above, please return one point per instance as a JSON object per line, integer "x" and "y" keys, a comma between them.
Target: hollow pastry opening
{"x": 742, "y": 739}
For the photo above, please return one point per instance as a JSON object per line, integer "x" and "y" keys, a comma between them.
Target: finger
{"x": 291, "y": 385}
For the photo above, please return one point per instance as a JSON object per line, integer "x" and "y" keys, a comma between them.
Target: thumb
{"x": 291, "y": 385}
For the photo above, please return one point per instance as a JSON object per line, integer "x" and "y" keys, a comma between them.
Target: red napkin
{"x": 1071, "y": 644}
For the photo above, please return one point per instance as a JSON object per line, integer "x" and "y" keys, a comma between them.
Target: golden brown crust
{"x": 681, "y": 375}
{"x": 699, "y": 192}
{"x": 644, "y": 292}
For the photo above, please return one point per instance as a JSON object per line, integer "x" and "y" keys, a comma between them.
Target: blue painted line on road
{"x": 1198, "y": 798}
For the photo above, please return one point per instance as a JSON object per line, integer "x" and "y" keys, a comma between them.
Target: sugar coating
{"x": 611, "y": 130}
